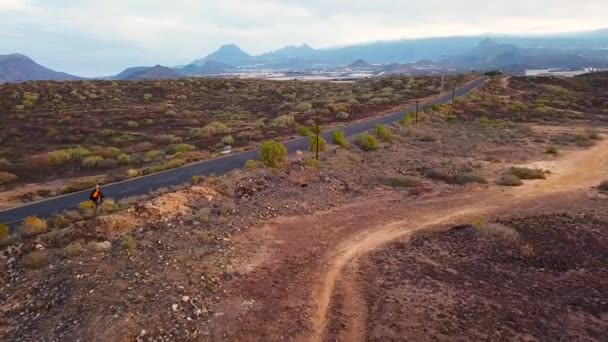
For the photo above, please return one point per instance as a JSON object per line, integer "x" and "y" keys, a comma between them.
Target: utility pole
{"x": 453, "y": 95}
{"x": 317, "y": 132}
{"x": 417, "y": 105}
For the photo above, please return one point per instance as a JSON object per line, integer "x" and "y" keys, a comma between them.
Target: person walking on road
{"x": 96, "y": 196}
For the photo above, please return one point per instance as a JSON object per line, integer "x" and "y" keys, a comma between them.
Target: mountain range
{"x": 567, "y": 50}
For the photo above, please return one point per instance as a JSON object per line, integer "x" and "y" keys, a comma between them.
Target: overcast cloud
{"x": 101, "y": 37}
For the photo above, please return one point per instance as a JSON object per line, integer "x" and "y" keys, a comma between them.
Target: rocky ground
{"x": 268, "y": 254}
{"x": 516, "y": 279}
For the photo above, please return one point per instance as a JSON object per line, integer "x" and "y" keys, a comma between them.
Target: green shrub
{"x": 228, "y": 140}
{"x": 7, "y": 177}
{"x": 338, "y": 139}
{"x": 168, "y": 139}
{"x": 368, "y": 142}
{"x": 383, "y": 133}
{"x": 123, "y": 159}
{"x": 73, "y": 249}
{"x": 284, "y": 121}
{"x": 59, "y": 157}
{"x": 132, "y": 124}
{"x": 78, "y": 153}
{"x": 128, "y": 243}
{"x": 313, "y": 143}
{"x": 147, "y": 97}
{"x": 154, "y": 155}
{"x": 400, "y": 181}
{"x": 509, "y": 180}
{"x": 33, "y": 225}
{"x": 407, "y": 120}
{"x": 304, "y": 131}
{"x": 273, "y": 154}
{"x": 174, "y": 163}
{"x": 314, "y": 129}
{"x": 484, "y": 121}
{"x": 251, "y": 164}
{"x": 213, "y": 128}
{"x": 148, "y": 122}
{"x": 91, "y": 161}
{"x": 526, "y": 173}
{"x": 4, "y": 231}
{"x": 57, "y": 221}
{"x": 196, "y": 179}
{"x": 35, "y": 260}
{"x": 312, "y": 162}
{"x": 183, "y": 148}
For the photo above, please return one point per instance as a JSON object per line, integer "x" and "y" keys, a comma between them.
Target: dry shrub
{"x": 6, "y": 177}
{"x": 603, "y": 186}
{"x": 400, "y": 181}
{"x": 439, "y": 174}
{"x": 509, "y": 180}
{"x": 33, "y": 226}
{"x": 36, "y": 259}
{"x": 499, "y": 231}
{"x": 4, "y": 231}
{"x": 470, "y": 177}
{"x": 527, "y": 173}
{"x": 74, "y": 249}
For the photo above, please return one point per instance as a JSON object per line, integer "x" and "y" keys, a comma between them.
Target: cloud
{"x": 93, "y": 37}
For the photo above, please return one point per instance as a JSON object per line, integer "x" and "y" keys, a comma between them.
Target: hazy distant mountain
{"x": 359, "y": 64}
{"x": 156, "y": 72}
{"x": 228, "y": 54}
{"x": 512, "y": 49}
{"x": 20, "y": 68}
{"x": 208, "y": 68}
{"x": 128, "y": 72}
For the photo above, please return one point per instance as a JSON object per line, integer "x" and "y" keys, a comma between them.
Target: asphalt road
{"x": 143, "y": 185}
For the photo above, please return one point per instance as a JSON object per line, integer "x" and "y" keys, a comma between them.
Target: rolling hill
{"x": 19, "y": 68}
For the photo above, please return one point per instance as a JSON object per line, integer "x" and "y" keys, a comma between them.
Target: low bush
{"x": 154, "y": 155}
{"x": 284, "y": 121}
{"x": 342, "y": 116}
{"x": 273, "y": 154}
{"x": 73, "y": 249}
{"x": 338, "y": 139}
{"x": 470, "y": 177}
{"x": 91, "y": 161}
{"x": 304, "y": 131}
{"x": 183, "y": 148}
{"x": 196, "y": 179}
{"x": 7, "y": 177}
{"x": 407, "y": 120}
{"x": 4, "y": 164}
{"x": 132, "y": 124}
{"x": 36, "y": 259}
{"x": 123, "y": 159}
{"x": 86, "y": 206}
{"x": 527, "y": 173}
{"x": 33, "y": 225}
{"x": 251, "y": 164}
{"x": 368, "y": 142}
{"x": 439, "y": 174}
{"x": 509, "y": 180}
{"x": 552, "y": 150}
{"x": 4, "y": 231}
{"x": 132, "y": 173}
{"x": 228, "y": 140}
{"x": 400, "y": 182}
{"x": 383, "y": 133}
{"x": 313, "y": 143}
{"x": 312, "y": 162}
{"x": 497, "y": 231}
{"x": 57, "y": 221}
{"x": 128, "y": 243}
{"x": 603, "y": 186}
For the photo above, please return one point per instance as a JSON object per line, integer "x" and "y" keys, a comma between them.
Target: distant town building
{"x": 559, "y": 72}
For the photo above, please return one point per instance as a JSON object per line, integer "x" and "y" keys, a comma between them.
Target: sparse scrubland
{"x": 111, "y": 130}
{"x": 205, "y": 261}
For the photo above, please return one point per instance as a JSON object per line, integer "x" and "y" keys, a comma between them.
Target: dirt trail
{"x": 296, "y": 271}
{"x": 580, "y": 170}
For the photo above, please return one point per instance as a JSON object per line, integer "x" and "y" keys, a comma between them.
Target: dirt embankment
{"x": 307, "y": 272}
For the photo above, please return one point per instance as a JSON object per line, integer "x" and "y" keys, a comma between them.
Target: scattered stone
{"x": 174, "y": 307}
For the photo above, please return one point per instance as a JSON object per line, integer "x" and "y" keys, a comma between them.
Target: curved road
{"x": 143, "y": 185}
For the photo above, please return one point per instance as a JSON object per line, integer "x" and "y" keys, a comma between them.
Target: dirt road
{"x": 287, "y": 281}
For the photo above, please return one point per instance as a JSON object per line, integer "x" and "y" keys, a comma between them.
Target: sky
{"x": 102, "y": 37}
